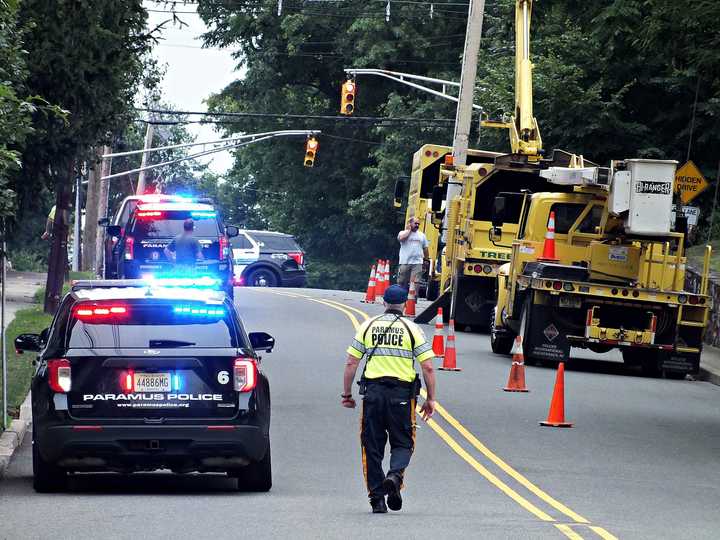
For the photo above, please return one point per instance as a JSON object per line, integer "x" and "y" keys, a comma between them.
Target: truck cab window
{"x": 566, "y": 214}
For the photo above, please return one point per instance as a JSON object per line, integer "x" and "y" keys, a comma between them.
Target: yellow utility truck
{"x": 464, "y": 262}
{"x": 616, "y": 278}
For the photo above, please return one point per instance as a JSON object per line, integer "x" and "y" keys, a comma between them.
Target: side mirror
{"x": 437, "y": 199}
{"x": 44, "y": 335}
{"x": 27, "y": 342}
{"x": 262, "y": 341}
{"x": 104, "y": 222}
{"x": 232, "y": 231}
{"x": 498, "y": 211}
{"x": 399, "y": 192}
{"x": 114, "y": 230}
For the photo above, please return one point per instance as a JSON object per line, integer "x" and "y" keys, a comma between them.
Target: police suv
{"x": 136, "y": 376}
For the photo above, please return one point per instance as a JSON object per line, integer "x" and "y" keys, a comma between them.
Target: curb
{"x": 709, "y": 376}
{"x": 13, "y": 436}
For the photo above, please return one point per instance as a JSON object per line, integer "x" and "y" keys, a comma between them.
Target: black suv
{"x": 268, "y": 259}
{"x": 140, "y": 252}
{"x": 132, "y": 378}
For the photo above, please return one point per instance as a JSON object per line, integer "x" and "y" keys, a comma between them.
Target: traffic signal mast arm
{"x": 240, "y": 141}
{"x": 408, "y": 78}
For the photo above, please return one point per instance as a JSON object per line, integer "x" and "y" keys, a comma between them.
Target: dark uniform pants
{"x": 387, "y": 412}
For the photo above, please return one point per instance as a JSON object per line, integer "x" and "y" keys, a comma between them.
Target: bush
{"x": 339, "y": 276}
{"x": 25, "y": 260}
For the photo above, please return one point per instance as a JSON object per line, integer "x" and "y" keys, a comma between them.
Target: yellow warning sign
{"x": 690, "y": 182}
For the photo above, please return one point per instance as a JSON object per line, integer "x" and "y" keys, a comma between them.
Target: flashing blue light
{"x": 203, "y": 215}
{"x": 197, "y": 282}
{"x": 176, "y": 382}
{"x": 206, "y": 311}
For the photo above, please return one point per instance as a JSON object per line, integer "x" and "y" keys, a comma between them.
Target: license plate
{"x": 570, "y": 302}
{"x": 152, "y": 382}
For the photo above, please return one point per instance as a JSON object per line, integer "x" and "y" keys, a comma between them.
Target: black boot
{"x": 378, "y": 505}
{"x": 391, "y": 485}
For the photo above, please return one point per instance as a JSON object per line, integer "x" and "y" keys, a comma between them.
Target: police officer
{"x": 389, "y": 384}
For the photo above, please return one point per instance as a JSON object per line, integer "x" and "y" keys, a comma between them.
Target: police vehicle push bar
{"x": 240, "y": 141}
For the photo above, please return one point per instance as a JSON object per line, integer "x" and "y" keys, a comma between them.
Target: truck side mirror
{"x": 27, "y": 342}
{"x": 232, "y": 231}
{"x": 399, "y": 192}
{"x": 437, "y": 199}
{"x": 498, "y": 211}
{"x": 113, "y": 230}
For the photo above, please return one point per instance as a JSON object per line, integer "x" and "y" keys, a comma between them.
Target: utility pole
{"x": 91, "y": 215}
{"x": 148, "y": 144}
{"x": 103, "y": 194}
{"x": 463, "y": 119}
{"x": 76, "y": 225}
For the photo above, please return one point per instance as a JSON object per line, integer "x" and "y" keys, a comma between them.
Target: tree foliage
{"x": 611, "y": 80}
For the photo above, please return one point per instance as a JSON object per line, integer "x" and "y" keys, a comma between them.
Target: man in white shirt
{"x": 413, "y": 249}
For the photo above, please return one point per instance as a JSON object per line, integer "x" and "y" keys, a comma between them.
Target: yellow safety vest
{"x": 394, "y": 343}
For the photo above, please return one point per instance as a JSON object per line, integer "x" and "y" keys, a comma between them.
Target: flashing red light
{"x": 93, "y": 313}
{"x": 149, "y": 213}
{"x": 297, "y": 256}
{"x": 129, "y": 248}
{"x": 245, "y": 374}
{"x": 59, "y": 375}
{"x": 557, "y": 285}
{"x": 224, "y": 248}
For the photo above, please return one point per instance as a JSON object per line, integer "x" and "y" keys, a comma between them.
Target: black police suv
{"x": 140, "y": 251}
{"x": 122, "y": 216}
{"x": 268, "y": 259}
{"x": 133, "y": 377}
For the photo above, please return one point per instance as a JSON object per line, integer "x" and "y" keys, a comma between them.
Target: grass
{"x": 20, "y": 367}
{"x": 696, "y": 256}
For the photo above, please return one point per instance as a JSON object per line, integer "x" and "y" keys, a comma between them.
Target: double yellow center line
{"x": 568, "y": 529}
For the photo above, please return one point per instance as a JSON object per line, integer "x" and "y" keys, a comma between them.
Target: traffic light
{"x": 311, "y": 148}
{"x": 347, "y": 97}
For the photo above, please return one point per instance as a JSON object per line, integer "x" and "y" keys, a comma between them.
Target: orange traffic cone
{"x": 412, "y": 299}
{"x": 370, "y": 294}
{"x": 380, "y": 279}
{"x": 548, "y": 254}
{"x": 438, "y": 344}
{"x": 450, "y": 359}
{"x": 556, "y": 415}
{"x": 516, "y": 381}
{"x": 387, "y": 276}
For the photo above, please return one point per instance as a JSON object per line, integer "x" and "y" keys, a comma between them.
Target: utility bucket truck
{"x": 616, "y": 279}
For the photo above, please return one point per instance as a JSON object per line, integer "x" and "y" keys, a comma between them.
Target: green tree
{"x": 86, "y": 57}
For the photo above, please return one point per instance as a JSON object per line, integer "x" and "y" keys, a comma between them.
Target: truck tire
{"x": 47, "y": 477}
{"x": 257, "y": 476}
{"x": 500, "y": 342}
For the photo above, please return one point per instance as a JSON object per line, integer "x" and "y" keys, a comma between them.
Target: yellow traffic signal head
{"x": 311, "y": 148}
{"x": 347, "y": 97}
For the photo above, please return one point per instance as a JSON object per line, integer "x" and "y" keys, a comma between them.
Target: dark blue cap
{"x": 395, "y": 294}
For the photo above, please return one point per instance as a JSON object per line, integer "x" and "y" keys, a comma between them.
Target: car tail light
{"x": 224, "y": 248}
{"x": 693, "y": 300}
{"x": 245, "y": 374}
{"x": 129, "y": 248}
{"x": 297, "y": 256}
{"x": 59, "y": 375}
{"x": 557, "y": 285}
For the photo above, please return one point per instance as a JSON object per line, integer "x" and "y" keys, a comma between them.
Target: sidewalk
{"x": 19, "y": 292}
{"x": 710, "y": 364}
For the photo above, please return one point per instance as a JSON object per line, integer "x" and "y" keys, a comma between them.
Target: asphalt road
{"x": 643, "y": 460}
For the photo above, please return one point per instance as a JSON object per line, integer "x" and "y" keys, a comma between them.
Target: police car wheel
{"x": 255, "y": 477}
{"x": 47, "y": 478}
{"x": 262, "y": 278}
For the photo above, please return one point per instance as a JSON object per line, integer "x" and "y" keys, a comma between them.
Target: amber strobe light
{"x": 347, "y": 97}
{"x": 311, "y": 148}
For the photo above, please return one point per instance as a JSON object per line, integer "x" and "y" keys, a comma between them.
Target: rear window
{"x": 274, "y": 242}
{"x": 177, "y": 325}
{"x": 170, "y": 223}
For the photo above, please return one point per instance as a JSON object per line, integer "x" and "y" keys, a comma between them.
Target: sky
{"x": 193, "y": 73}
